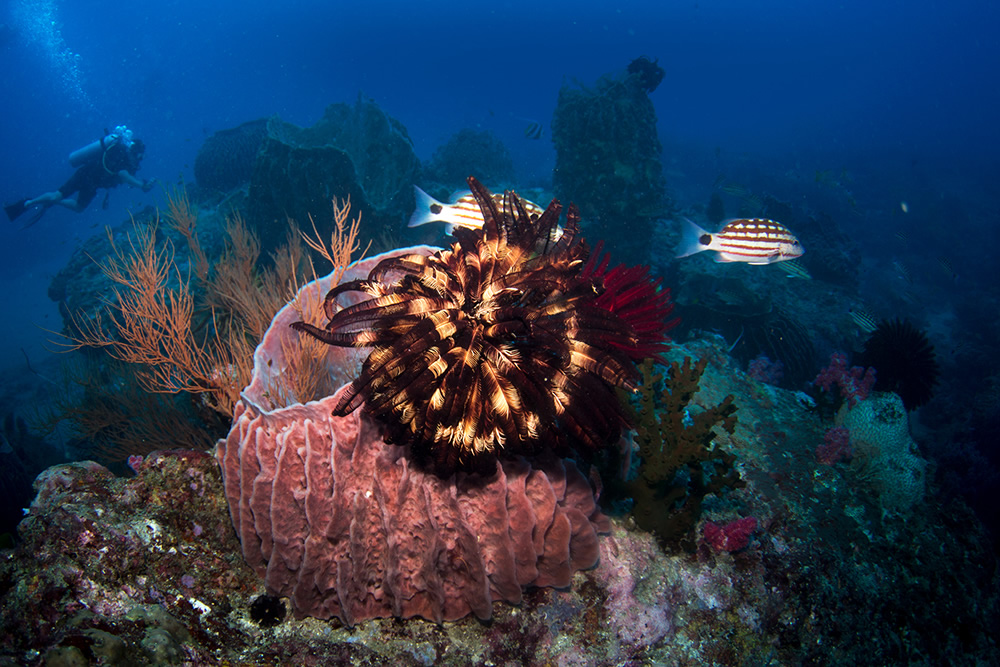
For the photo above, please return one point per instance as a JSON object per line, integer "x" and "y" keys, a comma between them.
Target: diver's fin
{"x": 36, "y": 215}
{"x": 15, "y": 210}
{"x": 694, "y": 239}
{"x": 427, "y": 210}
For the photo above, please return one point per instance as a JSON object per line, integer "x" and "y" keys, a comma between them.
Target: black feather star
{"x": 499, "y": 343}
{"x": 904, "y": 361}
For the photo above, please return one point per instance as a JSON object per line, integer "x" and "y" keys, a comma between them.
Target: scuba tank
{"x": 95, "y": 149}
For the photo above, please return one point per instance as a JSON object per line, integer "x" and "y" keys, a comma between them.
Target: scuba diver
{"x": 105, "y": 163}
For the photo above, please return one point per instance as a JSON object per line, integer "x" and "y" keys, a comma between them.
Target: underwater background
{"x": 868, "y": 128}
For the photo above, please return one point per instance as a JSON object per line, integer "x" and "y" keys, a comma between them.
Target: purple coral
{"x": 731, "y": 536}
{"x": 762, "y": 369}
{"x": 855, "y": 383}
{"x": 836, "y": 446}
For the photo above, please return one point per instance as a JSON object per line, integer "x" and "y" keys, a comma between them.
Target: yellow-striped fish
{"x": 462, "y": 211}
{"x": 794, "y": 269}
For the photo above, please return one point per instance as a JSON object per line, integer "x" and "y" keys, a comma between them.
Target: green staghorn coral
{"x": 680, "y": 462}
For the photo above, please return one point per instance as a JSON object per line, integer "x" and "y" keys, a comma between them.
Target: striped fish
{"x": 794, "y": 269}
{"x": 749, "y": 240}
{"x": 534, "y": 130}
{"x": 462, "y": 211}
{"x": 864, "y": 320}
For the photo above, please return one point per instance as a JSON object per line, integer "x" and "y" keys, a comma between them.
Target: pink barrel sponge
{"x": 344, "y": 525}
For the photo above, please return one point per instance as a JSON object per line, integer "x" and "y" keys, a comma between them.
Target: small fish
{"x": 534, "y": 130}
{"x": 864, "y": 320}
{"x": 794, "y": 269}
{"x": 462, "y": 211}
{"x": 735, "y": 189}
{"x": 945, "y": 264}
{"x": 749, "y": 240}
{"x": 902, "y": 271}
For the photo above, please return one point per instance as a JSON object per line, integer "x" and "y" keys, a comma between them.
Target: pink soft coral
{"x": 732, "y": 536}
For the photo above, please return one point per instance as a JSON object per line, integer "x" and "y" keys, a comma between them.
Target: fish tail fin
{"x": 694, "y": 239}
{"x": 425, "y": 209}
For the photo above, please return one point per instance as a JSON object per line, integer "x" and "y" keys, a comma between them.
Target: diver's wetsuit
{"x": 101, "y": 173}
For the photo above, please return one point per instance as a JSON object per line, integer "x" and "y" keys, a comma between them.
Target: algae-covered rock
{"x": 226, "y": 159}
{"x": 472, "y": 153}
{"x": 356, "y": 151}
{"x": 608, "y": 161}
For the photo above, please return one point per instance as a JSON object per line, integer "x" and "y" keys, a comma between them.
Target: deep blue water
{"x": 900, "y": 94}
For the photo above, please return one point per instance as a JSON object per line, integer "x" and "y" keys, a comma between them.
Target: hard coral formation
{"x": 649, "y": 73}
{"x": 608, "y": 161}
{"x": 471, "y": 152}
{"x": 226, "y": 159}
{"x": 879, "y": 430}
{"x": 506, "y": 343}
{"x": 356, "y": 152}
{"x": 680, "y": 462}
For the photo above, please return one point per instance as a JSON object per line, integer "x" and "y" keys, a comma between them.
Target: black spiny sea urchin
{"x": 500, "y": 343}
{"x": 904, "y": 361}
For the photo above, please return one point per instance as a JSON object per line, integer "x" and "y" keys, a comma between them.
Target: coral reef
{"x": 146, "y": 569}
{"x": 354, "y": 152}
{"x": 836, "y": 446}
{"x": 508, "y": 342}
{"x": 225, "y": 161}
{"x": 680, "y": 462}
{"x": 471, "y": 152}
{"x": 608, "y": 161}
{"x": 749, "y": 318}
{"x": 855, "y": 383}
